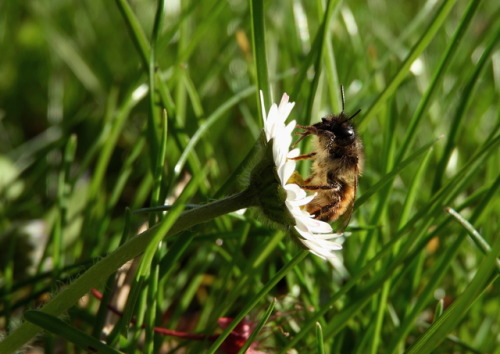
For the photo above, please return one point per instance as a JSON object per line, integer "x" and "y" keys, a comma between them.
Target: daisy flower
{"x": 317, "y": 236}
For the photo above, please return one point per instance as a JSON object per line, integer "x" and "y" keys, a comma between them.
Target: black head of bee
{"x": 340, "y": 127}
{"x": 334, "y": 131}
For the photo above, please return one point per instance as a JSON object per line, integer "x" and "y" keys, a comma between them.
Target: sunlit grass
{"x": 85, "y": 141}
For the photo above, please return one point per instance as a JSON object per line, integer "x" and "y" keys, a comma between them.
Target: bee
{"x": 338, "y": 162}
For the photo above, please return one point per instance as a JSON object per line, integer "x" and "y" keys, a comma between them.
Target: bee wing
{"x": 344, "y": 219}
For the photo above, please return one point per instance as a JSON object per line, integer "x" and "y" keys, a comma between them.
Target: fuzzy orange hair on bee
{"x": 338, "y": 162}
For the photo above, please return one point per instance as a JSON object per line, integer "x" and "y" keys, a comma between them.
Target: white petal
{"x": 329, "y": 236}
{"x": 315, "y": 226}
{"x": 285, "y": 107}
{"x": 321, "y": 246}
{"x": 279, "y": 154}
{"x": 319, "y": 227}
{"x": 264, "y": 116}
{"x": 328, "y": 245}
{"x": 284, "y": 100}
{"x": 293, "y": 153}
{"x": 321, "y": 250}
{"x": 298, "y": 200}
{"x": 303, "y": 200}
{"x": 274, "y": 120}
{"x": 286, "y": 171}
{"x": 294, "y": 191}
{"x": 302, "y": 228}
{"x": 290, "y": 127}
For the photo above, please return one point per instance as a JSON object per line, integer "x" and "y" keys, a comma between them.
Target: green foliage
{"x": 108, "y": 107}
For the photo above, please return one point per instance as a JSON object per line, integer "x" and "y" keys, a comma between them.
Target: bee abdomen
{"x": 329, "y": 206}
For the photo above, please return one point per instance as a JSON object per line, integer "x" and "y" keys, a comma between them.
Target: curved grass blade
{"x": 259, "y": 52}
{"x": 388, "y": 177}
{"x": 464, "y": 101}
{"x": 259, "y": 326}
{"x": 258, "y": 297}
{"x": 320, "y": 346}
{"x": 437, "y": 78}
{"x": 473, "y": 233}
{"x": 452, "y": 317}
{"x": 60, "y": 328}
{"x": 211, "y": 120}
{"x": 417, "y": 49}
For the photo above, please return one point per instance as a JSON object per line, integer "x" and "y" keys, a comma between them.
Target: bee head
{"x": 341, "y": 128}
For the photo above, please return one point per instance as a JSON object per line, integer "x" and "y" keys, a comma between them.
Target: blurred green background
{"x": 66, "y": 66}
{"x": 74, "y": 69}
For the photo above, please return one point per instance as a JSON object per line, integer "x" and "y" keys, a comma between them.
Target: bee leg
{"x": 309, "y": 179}
{"x": 326, "y": 213}
{"x": 326, "y": 187}
{"x": 304, "y": 157}
{"x": 300, "y": 139}
{"x": 308, "y": 131}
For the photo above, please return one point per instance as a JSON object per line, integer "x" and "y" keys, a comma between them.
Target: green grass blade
{"x": 464, "y": 101}
{"x": 134, "y": 27}
{"x": 258, "y": 328}
{"x": 61, "y": 328}
{"x": 320, "y": 348}
{"x": 416, "y": 51}
{"x": 158, "y": 143}
{"x": 418, "y": 181}
{"x": 437, "y": 77}
{"x": 154, "y": 120}
{"x": 437, "y": 275}
{"x": 257, "y": 298}
{"x": 116, "y": 126}
{"x": 453, "y": 315}
{"x": 259, "y": 53}
{"x": 319, "y": 50}
{"x": 475, "y": 235}
{"x": 210, "y": 121}
{"x": 389, "y": 176}
{"x": 64, "y": 189}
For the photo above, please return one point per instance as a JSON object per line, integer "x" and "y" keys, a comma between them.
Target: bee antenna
{"x": 355, "y": 114}
{"x": 343, "y": 104}
{"x": 351, "y": 117}
{"x": 342, "y": 96}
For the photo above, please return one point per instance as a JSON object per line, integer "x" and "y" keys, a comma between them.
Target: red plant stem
{"x": 167, "y": 332}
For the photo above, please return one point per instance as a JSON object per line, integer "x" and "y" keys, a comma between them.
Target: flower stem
{"x": 131, "y": 249}
{"x": 212, "y": 210}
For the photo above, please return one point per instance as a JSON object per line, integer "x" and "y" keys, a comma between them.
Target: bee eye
{"x": 345, "y": 135}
